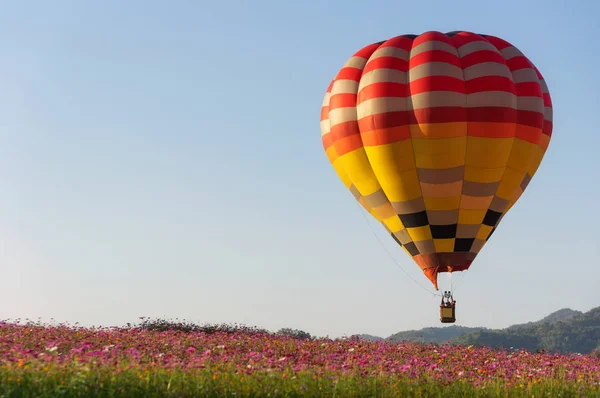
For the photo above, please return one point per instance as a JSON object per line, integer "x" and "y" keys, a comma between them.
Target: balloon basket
{"x": 447, "y": 314}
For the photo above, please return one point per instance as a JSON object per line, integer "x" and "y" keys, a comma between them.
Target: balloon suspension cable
{"x": 361, "y": 209}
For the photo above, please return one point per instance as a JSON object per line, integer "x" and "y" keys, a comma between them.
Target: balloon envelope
{"x": 437, "y": 136}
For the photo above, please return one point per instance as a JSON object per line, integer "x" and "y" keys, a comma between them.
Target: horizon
{"x": 52, "y": 323}
{"x": 165, "y": 161}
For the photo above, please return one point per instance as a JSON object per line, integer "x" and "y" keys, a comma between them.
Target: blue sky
{"x": 164, "y": 159}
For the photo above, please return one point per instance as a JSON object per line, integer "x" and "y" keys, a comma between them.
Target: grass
{"x": 79, "y": 381}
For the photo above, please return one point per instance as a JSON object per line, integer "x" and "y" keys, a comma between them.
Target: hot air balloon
{"x": 437, "y": 136}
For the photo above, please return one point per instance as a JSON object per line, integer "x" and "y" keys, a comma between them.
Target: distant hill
{"x": 563, "y": 331}
{"x": 368, "y": 337}
{"x": 560, "y": 315}
{"x": 433, "y": 335}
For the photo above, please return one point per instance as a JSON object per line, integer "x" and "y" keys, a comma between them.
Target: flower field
{"x": 41, "y": 360}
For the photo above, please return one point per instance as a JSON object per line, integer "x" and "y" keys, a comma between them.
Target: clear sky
{"x": 164, "y": 159}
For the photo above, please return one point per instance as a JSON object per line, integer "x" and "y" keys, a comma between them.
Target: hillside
{"x": 560, "y": 315}
{"x": 368, "y": 337}
{"x": 433, "y": 335}
{"x": 564, "y": 331}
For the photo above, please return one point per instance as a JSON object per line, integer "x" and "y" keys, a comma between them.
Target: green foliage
{"x": 366, "y": 337}
{"x": 565, "y": 331}
{"x": 295, "y": 333}
{"x": 163, "y": 325}
{"x": 433, "y": 335}
{"x": 135, "y": 382}
{"x": 560, "y": 315}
